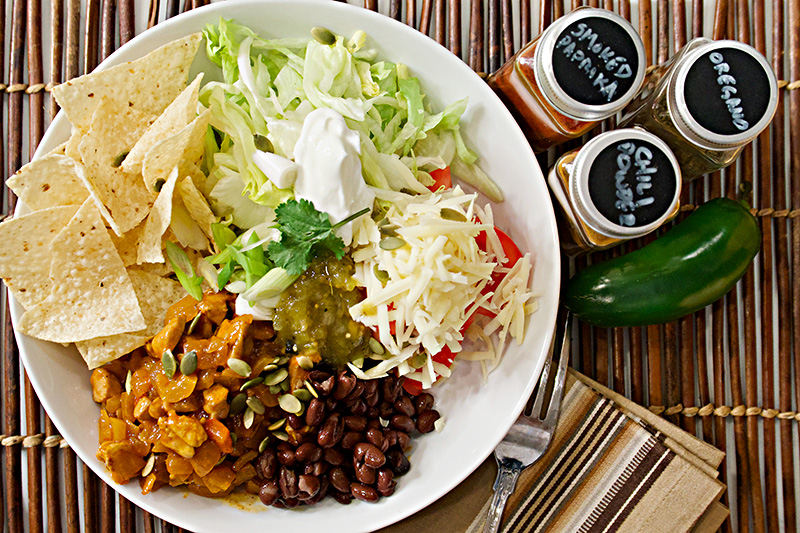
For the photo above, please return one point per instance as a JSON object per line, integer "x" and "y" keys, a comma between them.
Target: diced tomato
{"x": 444, "y": 357}
{"x": 511, "y": 250}
{"x": 441, "y": 178}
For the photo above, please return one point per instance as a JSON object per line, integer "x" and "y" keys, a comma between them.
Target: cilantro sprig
{"x": 305, "y": 232}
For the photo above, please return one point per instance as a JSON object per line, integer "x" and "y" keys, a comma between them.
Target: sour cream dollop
{"x": 330, "y": 177}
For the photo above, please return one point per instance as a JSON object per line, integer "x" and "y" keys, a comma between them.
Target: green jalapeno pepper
{"x": 689, "y": 267}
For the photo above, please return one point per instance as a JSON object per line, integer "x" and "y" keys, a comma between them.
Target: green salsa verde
{"x": 313, "y": 314}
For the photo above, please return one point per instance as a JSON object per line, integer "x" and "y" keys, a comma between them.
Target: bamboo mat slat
{"x": 727, "y": 374}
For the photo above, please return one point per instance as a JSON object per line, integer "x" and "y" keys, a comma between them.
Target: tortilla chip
{"x": 181, "y": 112}
{"x": 48, "y": 182}
{"x": 128, "y": 244}
{"x": 25, "y": 254}
{"x": 148, "y": 84}
{"x": 157, "y": 222}
{"x": 123, "y": 194}
{"x": 72, "y": 148}
{"x": 185, "y": 228}
{"x": 182, "y": 148}
{"x": 91, "y": 294}
{"x": 61, "y": 149}
{"x": 197, "y": 205}
{"x": 155, "y": 295}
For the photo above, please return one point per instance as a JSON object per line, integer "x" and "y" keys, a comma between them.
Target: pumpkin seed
{"x": 419, "y": 359}
{"x": 277, "y": 424}
{"x": 256, "y": 405}
{"x": 311, "y": 389}
{"x": 380, "y": 275}
{"x": 189, "y": 363}
{"x": 252, "y": 383}
{"x": 263, "y": 445}
{"x": 119, "y": 159}
{"x": 238, "y": 404}
{"x": 168, "y": 362}
{"x": 389, "y": 230}
{"x": 224, "y": 456}
{"x": 391, "y": 243}
{"x": 270, "y": 368}
{"x": 234, "y": 437}
{"x": 159, "y": 183}
{"x": 262, "y": 143}
{"x": 303, "y": 395}
{"x": 148, "y": 466}
{"x": 276, "y": 377}
{"x": 284, "y": 385}
{"x": 384, "y": 423}
{"x": 275, "y": 389}
{"x": 283, "y": 360}
{"x": 280, "y": 435}
{"x": 323, "y": 36}
{"x": 193, "y": 324}
{"x": 305, "y": 362}
{"x": 249, "y": 418}
{"x": 451, "y": 214}
{"x": 240, "y": 367}
{"x": 358, "y": 363}
{"x": 290, "y": 403}
{"x": 376, "y": 346}
{"x": 128, "y": 384}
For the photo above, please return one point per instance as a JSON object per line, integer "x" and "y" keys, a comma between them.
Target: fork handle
{"x": 503, "y": 487}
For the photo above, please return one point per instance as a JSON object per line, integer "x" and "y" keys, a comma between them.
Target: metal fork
{"x": 530, "y": 435}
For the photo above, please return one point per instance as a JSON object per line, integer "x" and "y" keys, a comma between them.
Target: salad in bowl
{"x": 281, "y": 260}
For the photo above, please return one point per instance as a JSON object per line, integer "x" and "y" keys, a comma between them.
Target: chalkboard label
{"x": 595, "y": 61}
{"x": 632, "y": 183}
{"x": 727, "y": 91}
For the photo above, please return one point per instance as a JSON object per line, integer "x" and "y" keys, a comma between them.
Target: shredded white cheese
{"x": 428, "y": 287}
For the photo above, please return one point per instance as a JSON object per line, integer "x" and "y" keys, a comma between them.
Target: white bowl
{"x": 477, "y": 414}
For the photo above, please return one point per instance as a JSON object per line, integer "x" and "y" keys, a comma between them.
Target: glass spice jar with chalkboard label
{"x": 620, "y": 185}
{"x": 707, "y": 102}
{"x": 583, "y": 69}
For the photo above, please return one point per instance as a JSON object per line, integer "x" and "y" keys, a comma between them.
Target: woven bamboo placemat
{"x": 727, "y": 374}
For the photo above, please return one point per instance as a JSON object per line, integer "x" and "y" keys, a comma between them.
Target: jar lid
{"x": 625, "y": 183}
{"x": 590, "y": 64}
{"x": 723, "y": 94}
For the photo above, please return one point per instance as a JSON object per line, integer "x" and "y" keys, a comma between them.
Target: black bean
{"x": 398, "y": 462}
{"x": 315, "y": 413}
{"x": 323, "y": 491}
{"x": 359, "y": 407}
{"x": 318, "y": 376}
{"x": 375, "y": 437}
{"x": 331, "y": 404}
{"x": 294, "y": 421}
{"x": 386, "y": 482}
{"x": 270, "y": 491}
{"x": 290, "y": 503}
{"x": 342, "y": 497}
{"x": 355, "y": 423}
{"x": 403, "y": 423}
{"x": 369, "y": 454}
{"x": 286, "y": 454}
{"x": 423, "y": 402}
{"x": 333, "y": 456}
{"x": 307, "y": 487}
{"x": 371, "y": 399}
{"x": 267, "y": 465}
{"x": 316, "y": 469}
{"x": 324, "y": 388}
{"x": 339, "y": 479}
{"x": 357, "y": 391}
{"x": 308, "y": 453}
{"x": 386, "y": 410}
{"x": 404, "y": 406}
{"x": 426, "y": 420}
{"x": 331, "y": 432}
{"x": 364, "y": 493}
{"x": 365, "y": 474}
{"x": 288, "y": 483}
{"x": 350, "y": 439}
{"x": 345, "y": 383}
{"x": 391, "y": 388}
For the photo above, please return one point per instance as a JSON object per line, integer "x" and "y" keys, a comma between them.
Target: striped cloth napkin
{"x": 612, "y": 466}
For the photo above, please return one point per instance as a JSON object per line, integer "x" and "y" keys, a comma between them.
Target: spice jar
{"x": 620, "y": 185}
{"x": 707, "y": 103}
{"x": 584, "y": 68}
